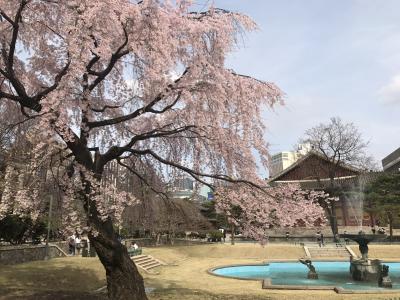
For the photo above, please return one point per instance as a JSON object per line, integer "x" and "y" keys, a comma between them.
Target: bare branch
{"x": 191, "y": 172}
{"x": 141, "y": 178}
{"x": 99, "y": 110}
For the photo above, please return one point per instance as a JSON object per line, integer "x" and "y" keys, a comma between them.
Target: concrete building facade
{"x": 285, "y": 159}
{"x": 391, "y": 163}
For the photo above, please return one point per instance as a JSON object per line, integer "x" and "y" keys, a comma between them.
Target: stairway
{"x": 315, "y": 251}
{"x": 147, "y": 262}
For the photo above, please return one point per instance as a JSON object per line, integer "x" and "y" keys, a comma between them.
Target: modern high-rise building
{"x": 391, "y": 163}
{"x": 285, "y": 159}
{"x": 184, "y": 188}
{"x": 183, "y": 184}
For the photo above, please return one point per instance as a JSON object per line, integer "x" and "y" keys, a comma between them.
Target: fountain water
{"x": 354, "y": 198}
{"x": 362, "y": 269}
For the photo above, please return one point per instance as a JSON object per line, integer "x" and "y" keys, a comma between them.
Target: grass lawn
{"x": 184, "y": 277}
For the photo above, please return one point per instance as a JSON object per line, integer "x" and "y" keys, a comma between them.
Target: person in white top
{"x": 135, "y": 246}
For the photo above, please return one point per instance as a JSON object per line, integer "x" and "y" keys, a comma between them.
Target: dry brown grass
{"x": 381, "y": 251}
{"x": 190, "y": 265}
{"x": 185, "y": 276}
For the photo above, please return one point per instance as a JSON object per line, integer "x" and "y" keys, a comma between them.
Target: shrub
{"x": 17, "y": 230}
{"x": 215, "y": 236}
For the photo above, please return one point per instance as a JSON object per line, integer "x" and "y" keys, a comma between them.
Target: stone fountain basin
{"x": 359, "y": 238}
{"x": 332, "y": 275}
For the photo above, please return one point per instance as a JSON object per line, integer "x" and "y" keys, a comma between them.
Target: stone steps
{"x": 327, "y": 252}
{"x": 147, "y": 262}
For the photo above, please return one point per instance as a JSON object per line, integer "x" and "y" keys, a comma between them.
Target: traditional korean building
{"x": 312, "y": 171}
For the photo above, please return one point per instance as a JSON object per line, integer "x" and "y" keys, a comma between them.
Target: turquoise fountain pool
{"x": 333, "y": 273}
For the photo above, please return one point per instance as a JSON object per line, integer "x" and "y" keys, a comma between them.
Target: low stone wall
{"x": 298, "y": 239}
{"x": 326, "y": 230}
{"x": 294, "y": 239}
{"x": 10, "y": 255}
{"x": 151, "y": 242}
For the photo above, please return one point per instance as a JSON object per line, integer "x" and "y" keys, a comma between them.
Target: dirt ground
{"x": 184, "y": 277}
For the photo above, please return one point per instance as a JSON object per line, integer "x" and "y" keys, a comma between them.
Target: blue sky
{"x": 331, "y": 58}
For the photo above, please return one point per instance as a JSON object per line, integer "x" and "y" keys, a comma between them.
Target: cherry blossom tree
{"x": 114, "y": 79}
{"x": 280, "y": 206}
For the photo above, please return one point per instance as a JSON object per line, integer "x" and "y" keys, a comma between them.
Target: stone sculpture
{"x": 312, "y": 274}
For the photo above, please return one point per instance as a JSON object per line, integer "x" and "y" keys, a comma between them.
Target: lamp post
{"x": 46, "y": 257}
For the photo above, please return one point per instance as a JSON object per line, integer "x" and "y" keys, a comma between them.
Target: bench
{"x": 134, "y": 252}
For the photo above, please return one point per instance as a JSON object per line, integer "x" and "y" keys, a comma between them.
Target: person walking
{"x": 78, "y": 244}
{"x": 71, "y": 244}
{"x": 318, "y": 238}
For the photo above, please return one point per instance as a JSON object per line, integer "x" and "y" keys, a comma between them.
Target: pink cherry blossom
{"x": 261, "y": 209}
{"x": 116, "y": 80}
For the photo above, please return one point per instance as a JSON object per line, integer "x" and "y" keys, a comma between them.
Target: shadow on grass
{"x": 48, "y": 280}
{"x": 190, "y": 294}
{"x": 63, "y": 295}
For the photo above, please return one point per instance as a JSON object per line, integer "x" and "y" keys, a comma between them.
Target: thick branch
{"x": 114, "y": 59}
{"x": 9, "y": 96}
{"x": 23, "y": 98}
{"x": 6, "y": 17}
{"x": 116, "y": 152}
{"x": 39, "y": 96}
{"x": 80, "y": 151}
{"x": 15, "y": 34}
{"x": 142, "y": 110}
{"x": 169, "y": 106}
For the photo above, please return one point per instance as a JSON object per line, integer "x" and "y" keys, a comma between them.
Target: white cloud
{"x": 390, "y": 93}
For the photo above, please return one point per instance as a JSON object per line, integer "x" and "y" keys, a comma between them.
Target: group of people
{"x": 380, "y": 230}
{"x": 74, "y": 244}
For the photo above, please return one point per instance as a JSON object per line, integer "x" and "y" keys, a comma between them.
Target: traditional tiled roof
{"x": 304, "y": 158}
{"x": 343, "y": 182}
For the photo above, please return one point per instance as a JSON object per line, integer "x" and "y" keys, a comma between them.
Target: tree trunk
{"x": 123, "y": 279}
{"x": 124, "y": 282}
{"x": 332, "y": 220}
{"x": 232, "y": 234}
{"x": 158, "y": 238}
{"x": 171, "y": 238}
{"x": 390, "y": 218}
{"x": 372, "y": 220}
{"x": 332, "y": 208}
